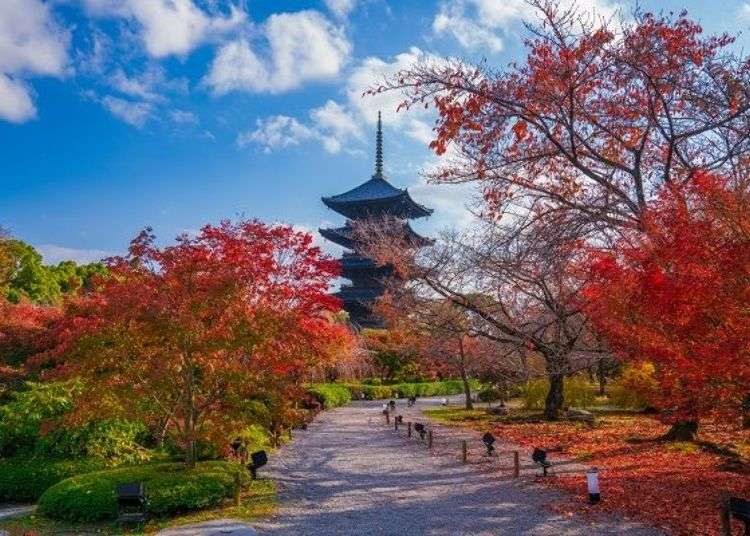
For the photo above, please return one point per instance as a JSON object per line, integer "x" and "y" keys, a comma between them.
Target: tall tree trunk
{"x": 553, "y": 404}
{"x": 464, "y": 375}
{"x": 682, "y": 431}
{"x": 746, "y": 412}
{"x": 190, "y": 446}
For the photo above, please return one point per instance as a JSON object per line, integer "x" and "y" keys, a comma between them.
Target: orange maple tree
{"x": 193, "y": 334}
{"x": 676, "y": 295}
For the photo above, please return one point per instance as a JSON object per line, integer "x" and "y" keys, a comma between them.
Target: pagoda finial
{"x": 379, "y": 149}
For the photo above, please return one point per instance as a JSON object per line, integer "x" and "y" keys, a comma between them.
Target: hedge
{"x": 170, "y": 488}
{"x": 331, "y": 395}
{"x": 338, "y": 394}
{"x": 26, "y": 479}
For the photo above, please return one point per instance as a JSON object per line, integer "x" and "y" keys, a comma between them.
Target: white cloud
{"x": 169, "y": 27}
{"x": 31, "y": 43}
{"x": 301, "y": 47}
{"x": 53, "y": 254}
{"x": 373, "y": 71}
{"x": 16, "y": 104}
{"x": 182, "y": 117}
{"x": 276, "y": 132}
{"x": 336, "y": 121}
{"x": 132, "y": 112}
{"x": 468, "y": 33}
{"x": 481, "y": 25}
{"x": 149, "y": 85}
{"x": 331, "y": 125}
{"x": 341, "y": 8}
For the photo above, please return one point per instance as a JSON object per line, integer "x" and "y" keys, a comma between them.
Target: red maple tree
{"x": 595, "y": 119}
{"x": 23, "y": 333}
{"x": 676, "y": 295}
{"x": 191, "y": 335}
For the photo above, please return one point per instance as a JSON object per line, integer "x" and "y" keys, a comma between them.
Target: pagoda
{"x": 375, "y": 198}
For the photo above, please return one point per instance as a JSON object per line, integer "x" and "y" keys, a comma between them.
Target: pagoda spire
{"x": 379, "y": 150}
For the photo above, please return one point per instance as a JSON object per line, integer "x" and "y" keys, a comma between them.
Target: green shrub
{"x": 169, "y": 486}
{"x": 490, "y": 394}
{"x": 21, "y": 418}
{"x": 331, "y": 395}
{"x": 26, "y": 479}
{"x": 636, "y": 388}
{"x": 115, "y": 440}
{"x": 577, "y": 392}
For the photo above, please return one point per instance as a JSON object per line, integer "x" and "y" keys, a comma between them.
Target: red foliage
{"x": 23, "y": 333}
{"x": 640, "y": 476}
{"x": 188, "y": 333}
{"x": 676, "y": 295}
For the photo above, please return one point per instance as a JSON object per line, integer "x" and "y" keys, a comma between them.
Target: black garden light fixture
{"x": 420, "y": 429}
{"x": 539, "y": 457}
{"x": 131, "y": 503}
{"x": 488, "y": 439}
{"x": 392, "y": 405}
{"x": 257, "y": 460}
{"x": 592, "y": 483}
{"x": 412, "y": 401}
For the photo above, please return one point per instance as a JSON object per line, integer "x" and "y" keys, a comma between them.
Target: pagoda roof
{"x": 376, "y": 196}
{"x": 344, "y": 236}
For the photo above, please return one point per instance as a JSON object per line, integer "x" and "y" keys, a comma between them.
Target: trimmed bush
{"x": 331, "y": 395}
{"x": 26, "y": 479}
{"x": 169, "y": 486}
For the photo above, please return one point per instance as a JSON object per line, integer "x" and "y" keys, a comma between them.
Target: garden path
{"x": 350, "y": 474}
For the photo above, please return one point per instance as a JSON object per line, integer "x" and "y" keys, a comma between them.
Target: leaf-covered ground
{"x": 676, "y": 486}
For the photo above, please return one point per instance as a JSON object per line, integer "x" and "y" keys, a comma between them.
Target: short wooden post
{"x": 516, "y": 465}
{"x": 387, "y": 417}
{"x": 464, "y": 451}
{"x": 237, "y": 488}
{"x": 395, "y": 424}
{"x": 725, "y": 515}
{"x": 408, "y": 429}
{"x": 429, "y": 439}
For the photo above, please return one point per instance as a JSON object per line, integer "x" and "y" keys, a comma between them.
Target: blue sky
{"x": 118, "y": 114}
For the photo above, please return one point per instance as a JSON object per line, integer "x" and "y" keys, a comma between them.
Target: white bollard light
{"x": 592, "y": 479}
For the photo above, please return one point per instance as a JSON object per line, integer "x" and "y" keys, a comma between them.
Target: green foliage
{"x": 24, "y": 479}
{"x": 255, "y": 437}
{"x": 396, "y": 390}
{"x": 22, "y": 417}
{"x": 331, "y": 395}
{"x": 170, "y": 487}
{"x": 635, "y": 388}
{"x": 490, "y": 394}
{"x": 25, "y": 277}
{"x": 41, "y": 405}
{"x": 578, "y": 392}
{"x": 114, "y": 440}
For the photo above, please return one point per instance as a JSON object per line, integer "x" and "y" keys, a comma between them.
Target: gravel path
{"x": 350, "y": 474}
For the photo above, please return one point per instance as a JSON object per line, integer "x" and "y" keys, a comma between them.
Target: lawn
{"x": 672, "y": 485}
{"x": 258, "y": 500}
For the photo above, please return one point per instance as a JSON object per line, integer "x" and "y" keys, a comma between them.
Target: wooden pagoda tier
{"x": 344, "y": 236}
{"x": 371, "y": 199}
